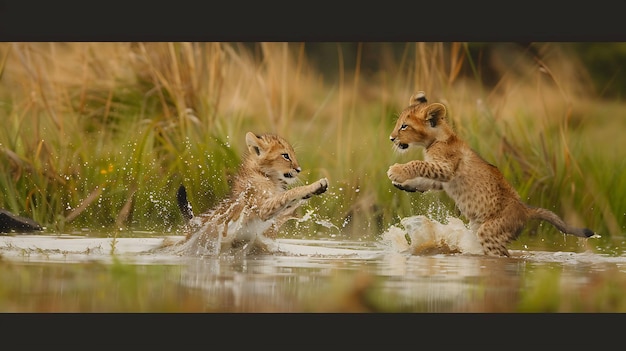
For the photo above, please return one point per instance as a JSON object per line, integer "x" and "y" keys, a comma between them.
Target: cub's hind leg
{"x": 493, "y": 237}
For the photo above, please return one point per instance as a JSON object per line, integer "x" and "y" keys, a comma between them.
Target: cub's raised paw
{"x": 323, "y": 186}
{"x": 405, "y": 187}
{"x": 394, "y": 173}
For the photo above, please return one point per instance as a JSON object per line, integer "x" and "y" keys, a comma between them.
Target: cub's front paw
{"x": 322, "y": 186}
{"x": 395, "y": 174}
{"x": 319, "y": 187}
{"x": 406, "y": 187}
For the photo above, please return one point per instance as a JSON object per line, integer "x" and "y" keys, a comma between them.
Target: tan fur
{"x": 260, "y": 200}
{"x": 495, "y": 211}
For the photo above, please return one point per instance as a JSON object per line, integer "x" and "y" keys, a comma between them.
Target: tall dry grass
{"x": 100, "y": 135}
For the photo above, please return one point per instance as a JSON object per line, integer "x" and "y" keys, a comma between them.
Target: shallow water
{"x": 339, "y": 276}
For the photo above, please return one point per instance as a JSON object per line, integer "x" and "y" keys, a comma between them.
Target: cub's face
{"x": 419, "y": 124}
{"x": 274, "y": 156}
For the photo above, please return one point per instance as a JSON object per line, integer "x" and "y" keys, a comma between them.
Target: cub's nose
{"x": 298, "y": 169}
{"x": 392, "y": 138}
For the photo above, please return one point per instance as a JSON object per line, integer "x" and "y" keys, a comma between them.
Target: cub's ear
{"x": 255, "y": 143}
{"x": 418, "y": 98}
{"x": 434, "y": 113}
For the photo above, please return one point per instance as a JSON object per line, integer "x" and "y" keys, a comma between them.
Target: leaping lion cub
{"x": 259, "y": 202}
{"x": 495, "y": 211}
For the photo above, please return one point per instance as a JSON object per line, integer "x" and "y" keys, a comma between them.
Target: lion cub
{"x": 259, "y": 202}
{"x": 495, "y": 211}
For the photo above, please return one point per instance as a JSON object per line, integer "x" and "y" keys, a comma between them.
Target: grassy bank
{"x": 100, "y": 135}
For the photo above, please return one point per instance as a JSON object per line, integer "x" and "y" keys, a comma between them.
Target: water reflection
{"x": 341, "y": 276}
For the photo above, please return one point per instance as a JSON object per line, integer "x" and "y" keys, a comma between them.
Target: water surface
{"x": 334, "y": 275}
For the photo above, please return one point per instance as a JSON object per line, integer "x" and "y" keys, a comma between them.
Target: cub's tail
{"x": 547, "y": 215}
{"x": 183, "y": 204}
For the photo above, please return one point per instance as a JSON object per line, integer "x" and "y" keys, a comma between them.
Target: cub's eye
{"x": 286, "y": 157}
{"x": 403, "y": 127}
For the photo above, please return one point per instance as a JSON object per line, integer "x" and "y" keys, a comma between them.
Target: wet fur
{"x": 259, "y": 203}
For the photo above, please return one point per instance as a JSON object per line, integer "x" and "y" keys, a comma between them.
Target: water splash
{"x": 421, "y": 235}
{"x": 311, "y": 216}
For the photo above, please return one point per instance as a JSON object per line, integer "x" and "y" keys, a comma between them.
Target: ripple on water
{"x": 428, "y": 238}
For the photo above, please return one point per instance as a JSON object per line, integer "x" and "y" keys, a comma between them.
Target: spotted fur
{"x": 259, "y": 203}
{"x": 495, "y": 211}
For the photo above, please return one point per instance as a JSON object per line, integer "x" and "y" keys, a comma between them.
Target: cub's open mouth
{"x": 288, "y": 175}
{"x": 403, "y": 146}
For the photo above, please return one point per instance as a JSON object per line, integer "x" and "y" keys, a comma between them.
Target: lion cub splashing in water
{"x": 495, "y": 211}
{"x": 259, "y": 203}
